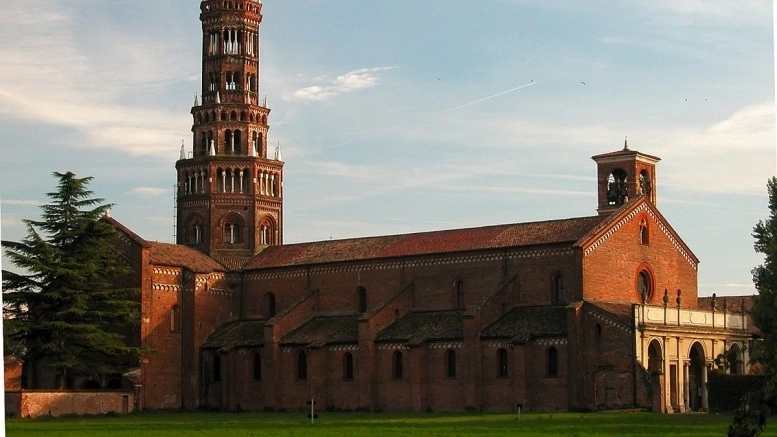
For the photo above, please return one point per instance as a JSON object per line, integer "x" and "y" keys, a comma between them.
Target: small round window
{"x": 644, "y": 286}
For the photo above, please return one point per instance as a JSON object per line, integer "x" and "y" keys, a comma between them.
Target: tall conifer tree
{"x": 63, "y": 312}
{"x": 750, "y": 418}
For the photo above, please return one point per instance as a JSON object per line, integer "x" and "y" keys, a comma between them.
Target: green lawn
{"x": 377, "y": 424}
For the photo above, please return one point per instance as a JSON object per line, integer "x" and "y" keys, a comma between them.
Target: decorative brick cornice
{"x": 343, "y": 347}
{"x": 497, "y": 344}
{"x": 446, "y": 345}
{"x": 392, "y": 346}
{"x": 220, "y": 291}
{"x": 551, "y": 341}
{"x": 168, "y": 272}
{"x": 437, "y": 261}
{"x": 165, "y": 287}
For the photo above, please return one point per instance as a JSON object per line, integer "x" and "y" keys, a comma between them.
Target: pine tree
{"x": 764, "y": 311}
{"x": 62, "y": 310}
{"x": 750, "y": 418}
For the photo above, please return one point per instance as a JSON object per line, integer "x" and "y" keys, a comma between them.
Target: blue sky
{"x": 410, "y": 115}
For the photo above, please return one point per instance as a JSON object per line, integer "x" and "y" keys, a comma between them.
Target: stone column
{"x": 686, "y": 386}
{"x": 704, "y": 401}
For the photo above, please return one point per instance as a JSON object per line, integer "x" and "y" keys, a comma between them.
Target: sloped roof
{"x": 522, "y": 324}
{"x": 621, "y": 313}
{"x": 179, "y": 255}
{"x": 425, "y": 243}
{"x": 121, "y": 228}
{"x": 420, "y": 326}
{"x": 625, "y": 152}
{"x": 733, "y": 304}
{"x": 321, "y": 331}
{"x": 242, "y": 333}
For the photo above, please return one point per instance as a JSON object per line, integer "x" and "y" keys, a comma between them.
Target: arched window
{"x": 231, "y": 232}
{"x": 238, "y": 141}
{"x": 552, "y": 362}
{"x": 302, "y": 366}
{"x": 598, "y": 331}
{"x": 557, "y": 288}
{"x": 501, "y": 359}
{"x": 216, "y": 368}
{"x": 396, "y": 365}
{"x": 644, "y": 236}
{"x": 450, "y": 364}
{"x": 655, "y": 358}
{"x": 458, "y": 289}
{"x": 737, "y": 362}
{"x": 266, "y": 231}
{"x": 645, "y": 187}
{"x": 229, "y": 142}
{"x": 203, "y": 144}
{"x": 257, "y": 370}
{"x": 617, "y": 188}
{"x": 196, "y": 235}
{"x": 396, "y": 313}
{"x": 175, "y": 319}
{"x": 270, "y": 305}
{"x": 644, "y": 286}
{"x": 255, "y": 144}
{"x": 362, "y": 294}
{"x": 348, "y": 367}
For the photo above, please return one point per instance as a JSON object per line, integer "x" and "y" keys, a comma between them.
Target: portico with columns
{"x": 679, "y": 346}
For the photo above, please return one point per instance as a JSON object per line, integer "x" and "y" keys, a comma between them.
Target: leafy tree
{"x": 62, "y": 310}
{"x": 750, "y": 418}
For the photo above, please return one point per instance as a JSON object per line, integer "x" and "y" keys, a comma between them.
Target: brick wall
{"x": 58, "y": 403}
{"x": 611, "y": 269}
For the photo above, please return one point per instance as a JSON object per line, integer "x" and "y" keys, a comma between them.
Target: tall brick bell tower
{"x": 230, "y": 192}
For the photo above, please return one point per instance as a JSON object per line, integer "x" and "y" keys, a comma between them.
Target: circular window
{"x": 644, "y": 286}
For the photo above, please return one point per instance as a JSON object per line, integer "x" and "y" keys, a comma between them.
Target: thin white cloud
{"x": 702, "y": 11}
{"x": 21, "y": 202}
{"x": 349, "y": 82}
{"x": 51, "y": 77}
{"x": 151, "y": 191}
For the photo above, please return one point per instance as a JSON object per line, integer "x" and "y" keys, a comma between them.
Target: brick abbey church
{"x": 575, "y": 313}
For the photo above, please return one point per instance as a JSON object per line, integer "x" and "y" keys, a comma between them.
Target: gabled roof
{"x": 426, "y": 243}
{"x": 521, "y": 324}
{"x": 321, "y": 331}
{"x": 179, "y": 255}
{"x": 242, "y": 333}
{"x": 623, "y": 214}
{"x": 418, "y": 327}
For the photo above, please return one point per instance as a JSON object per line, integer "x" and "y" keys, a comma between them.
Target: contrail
{"x": 489, "y": 97}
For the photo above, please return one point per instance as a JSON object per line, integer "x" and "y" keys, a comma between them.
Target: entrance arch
{"x": 696, "y": 398}
{"x": 655, "y": 366}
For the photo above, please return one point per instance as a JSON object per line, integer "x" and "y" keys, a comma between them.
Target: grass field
{"x": 376, "y": 424}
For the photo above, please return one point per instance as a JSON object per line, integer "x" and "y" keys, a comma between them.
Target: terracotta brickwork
{"x": 59, "y": 403}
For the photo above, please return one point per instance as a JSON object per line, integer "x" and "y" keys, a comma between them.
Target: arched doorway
{"x": 697, "y": 375}
{"x": 656, "y": 369}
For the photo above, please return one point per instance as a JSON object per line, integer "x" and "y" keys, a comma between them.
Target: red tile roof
{"x": 179, "y": 255}
{"x": 426, "y": 243}
{"x": 421, "y": 326}
{"x": 522, "y": 324}
{"x": 325, "y": 330}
